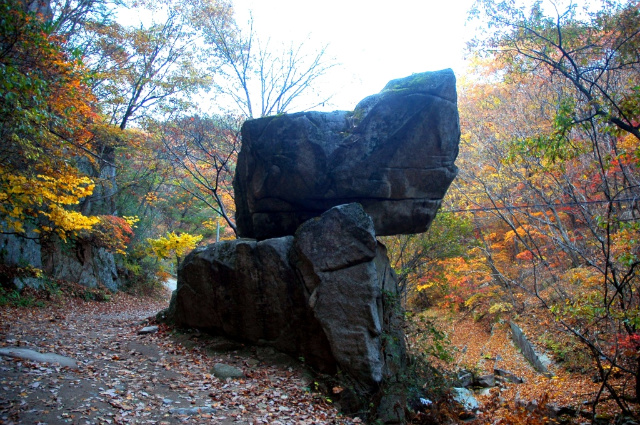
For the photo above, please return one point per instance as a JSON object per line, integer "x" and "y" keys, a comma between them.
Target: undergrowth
{"x": 142, "y": 276}
{"x": 49, "y": 290}
{"x": 567, "y": 352}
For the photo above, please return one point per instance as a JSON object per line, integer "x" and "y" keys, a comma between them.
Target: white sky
{"x": 374, "y": 41}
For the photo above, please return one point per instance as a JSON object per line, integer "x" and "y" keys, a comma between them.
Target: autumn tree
{"x": 595, "y": 53}
{"x": 45, "y": 110}
{"x": 173, "y": 245}
{"x": 421, "y": 258}
{"x": 76, "y": 20}
{"x": 203, "y": 153}
{"x": 153, "y": 186}
{"x": 259, "y": 81}
{"x": 51, "y": 139}
{"x": 145, "y": 71}
{"x": 561, "y": 143}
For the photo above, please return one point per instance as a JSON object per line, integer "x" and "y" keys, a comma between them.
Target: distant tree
{"x": 138, "y": 73}
{"x": 142, "y": 71}
{"x": 595, "y": 53}
{"x": 259, "y": 80}
{"x": 203, "y": 152}
{"x": 420, "y": 257}
{"x": 176, "y": 245}
{"x": 76, "y": 20}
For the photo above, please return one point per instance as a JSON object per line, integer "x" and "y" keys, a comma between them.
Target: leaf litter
{"x": 483, "y": 347}
{"x": 154, "y": 378}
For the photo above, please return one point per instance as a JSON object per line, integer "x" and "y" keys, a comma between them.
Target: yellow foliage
{"x": 521, "y": 232}
{"x": 500, "y": 308}
{"x": 131, "y": 220}
{"x": 45, "y": 196}
{"x": 425, "y": 286}
{"x": 582, "y": 278}
{"x": 625, "y": 245}
{"x": 69, "y": 221}
{"x": 478, "y": 297}
{"x": 173, "y": 243}
{"x": 211, "y": 223}
{"x": 629, "y": 143}
{"x": 226, "y": 233}
{"x": 151, "y": 198}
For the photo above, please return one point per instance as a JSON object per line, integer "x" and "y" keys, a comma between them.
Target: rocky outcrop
{"x": 35, "y": 356}
{"x": 16, "y": 251}
{"x": 84, "y": 264}
{"x": 312, "y": 191}
{"x": 326, "y": 294}
{"x": 248, "y": 290}
{"x": 348, "y": 278}
{"x": 394, "y": 154}
{"x": 72, "y": 262}
{"x": 527, "y": 349}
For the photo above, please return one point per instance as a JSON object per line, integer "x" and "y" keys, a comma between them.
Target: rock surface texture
{"x": 312, "y": 192}
{"x": 327, "y": 294}
{"x": 394, "y": 154}
{"x": 75, "y": 262}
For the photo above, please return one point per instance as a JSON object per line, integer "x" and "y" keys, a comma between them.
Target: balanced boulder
{"x": 312, "y": 191}
{"x": 394, "y": 154}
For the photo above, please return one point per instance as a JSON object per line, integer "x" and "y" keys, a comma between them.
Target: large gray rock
{"x": 224, "y": 371}
{"x": 394, "y": 154}
{"x": 28, "y": 354}
{"x": 73, "y": 262}
{"x": 465, "y": 398}
{"x": 18, "y": 251}
{"x": 84, "y": 264}
{"x": 527, "y": 349}
{"x": 327, "y": 294}
{"x": 334, "y": 256}
{"x": 249, "y": 291}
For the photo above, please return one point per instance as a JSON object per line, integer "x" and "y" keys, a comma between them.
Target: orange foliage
{"x": 112, "y": 233}
{"x": 46, "y": 114}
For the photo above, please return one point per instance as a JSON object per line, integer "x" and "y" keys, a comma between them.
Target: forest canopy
{"x": 102, "y": 144}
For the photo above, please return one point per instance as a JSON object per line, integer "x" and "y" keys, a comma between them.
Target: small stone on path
{"x": 148, "y": 330}
{"x": 465, "y": 398}
{"x": 485, "y": 381}
{"x": 27, "y": 354}
{"x": 223, "y": 371}
{"x": 508, "y": 376}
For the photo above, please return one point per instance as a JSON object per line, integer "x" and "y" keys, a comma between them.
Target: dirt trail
{"x": 159, "y": 378}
